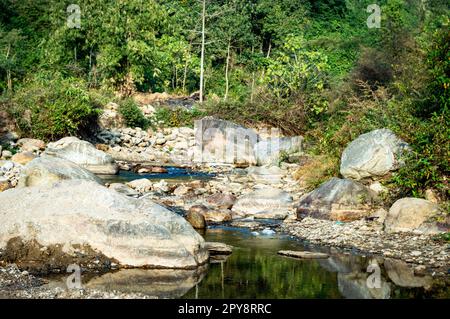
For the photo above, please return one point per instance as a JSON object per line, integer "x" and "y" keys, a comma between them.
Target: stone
{"x": 271, "y": 151}
{"x": 221, "y": 200}
{"x": 413, "y": 215}
{"x": 141, "y": 185}
{"x": 149, "y": 169}
{"x": 223, "y": 142}
{"x": 111, "y": 117}
{"x": 31, "y": 144}
{"x": 272, "y": 203}
{"x": 303, "y": 254}
{"x": 379, "y": 215}
{"x": 378, "y": 188}
{"x": 403, "y": 275}
{"x": 200, "y": 209}
{"x": 216, "y": 248}
{"x": 181, "y": 190}
{"x": 161, "y": 186}
{"x": 23, "y": 158}
{"x": 372, "y": 154}
{"x": 337, "y": 199}
{"x": 84, "y": 154}
{"x": 420, "y": 270}
{"x": 431, "y": 196}
{"x": 196, "y": 219}
{"x": 217, "y": 216}
{"x": 4, "y": 185}
{"x": 6, "y": 154}
{"x": 80, "y": 221}
{"x": 267, "y": 175}
{"x": 9, "y": 137}
{"x": 124, "y": 189}
{"x": 46, "y": 170}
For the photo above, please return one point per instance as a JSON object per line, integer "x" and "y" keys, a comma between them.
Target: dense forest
{"x": 325, "y": 69}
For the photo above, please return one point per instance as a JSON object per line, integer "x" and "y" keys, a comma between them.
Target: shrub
{"x": 132, "y": 114}
{"x": 177, "y": 117}
{"x": 51, "y": 108}
{"x": 429, "y": 165}
{"x": 316, "y": 171}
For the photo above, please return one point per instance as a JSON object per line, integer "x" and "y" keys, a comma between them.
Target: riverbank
{"x": 423, "y": 252}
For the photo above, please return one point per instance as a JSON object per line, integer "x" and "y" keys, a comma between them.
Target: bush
{"x": 177, "y": 117}
{"x": 132, "y": 114}
{"x": 51, "y": 108}
{"x": 429, "y": 165}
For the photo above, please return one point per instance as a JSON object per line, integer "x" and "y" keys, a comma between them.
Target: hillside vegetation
{"x": 310, "y": 67}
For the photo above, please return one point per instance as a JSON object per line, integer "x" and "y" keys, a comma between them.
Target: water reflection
{"x": 254, "y": 270}
{"x": 160, "y": 283}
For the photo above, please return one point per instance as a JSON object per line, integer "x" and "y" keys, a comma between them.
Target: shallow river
{"x": 254, "y": 270}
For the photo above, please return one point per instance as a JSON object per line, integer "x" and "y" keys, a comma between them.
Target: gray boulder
{"x": 80, "y": 221}
{"x": 47, "y": 170}
{"x": 84, "y": 154}
{"x": 264, "y": 203}
{"x": 372, "y": 154}
{"x": 337, "y": 199}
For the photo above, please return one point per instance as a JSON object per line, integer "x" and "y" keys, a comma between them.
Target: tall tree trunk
{"x": 9, "y": 80}
{"x": 202, "y": 59}
{"x": 227, "y": 81}
{"x": 8, "y": 71}
{"x": 253, "y": 80}
{"x": 186, "y": 68}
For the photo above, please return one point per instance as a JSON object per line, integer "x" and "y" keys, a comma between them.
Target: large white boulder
{"x": 84, "y": 154}
{"x": 47, "y": 170}
{"x": 79, "y": 222}
{"x": 372, "y": 154}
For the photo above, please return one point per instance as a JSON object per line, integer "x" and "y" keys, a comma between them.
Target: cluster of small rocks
{"x": 369, "y": 237}
{"x": 134, "y": 144}
{"x": 9, "y": 174}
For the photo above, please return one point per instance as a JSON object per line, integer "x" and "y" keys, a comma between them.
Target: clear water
{"x": 174, "y": 174}
{"x": 255, "y": 270}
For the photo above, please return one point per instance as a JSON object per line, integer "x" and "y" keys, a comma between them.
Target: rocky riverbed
{"x": 63, "y": 180}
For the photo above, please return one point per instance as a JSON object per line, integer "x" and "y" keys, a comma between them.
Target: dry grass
{"x": 316, "y": 170}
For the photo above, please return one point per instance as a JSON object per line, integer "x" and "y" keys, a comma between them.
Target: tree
{"x": 10, "y": 42}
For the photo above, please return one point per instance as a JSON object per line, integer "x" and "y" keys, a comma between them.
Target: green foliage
{"x": 51, "y": 108}
{"x": 178, "y": 117}
{"x": 132, "y": 114}
{"x": 429, "y": 164}
{"x": 439, "y": 66}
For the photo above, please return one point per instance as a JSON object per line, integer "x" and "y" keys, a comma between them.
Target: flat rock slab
{"x": 215, "y": 248}
{"x": 303, "y": 254}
